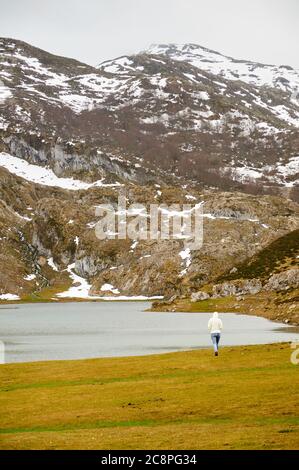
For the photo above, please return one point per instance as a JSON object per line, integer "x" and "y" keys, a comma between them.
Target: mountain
{"x": 171, "y": 113}
{"x": 172, "y": 124}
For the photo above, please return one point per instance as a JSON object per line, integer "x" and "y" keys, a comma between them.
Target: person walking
{"x": 215, "y": 327}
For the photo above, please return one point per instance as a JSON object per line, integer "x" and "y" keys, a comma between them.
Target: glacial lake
{"x": 50, "y": 331}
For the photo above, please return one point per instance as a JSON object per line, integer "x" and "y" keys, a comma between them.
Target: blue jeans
{"x": 215, "y": 339}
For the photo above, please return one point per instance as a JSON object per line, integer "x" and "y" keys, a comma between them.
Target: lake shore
{"x": 266, "y": 305}
{"x": 85, "y": 330}
{"x": 247, "y": 398}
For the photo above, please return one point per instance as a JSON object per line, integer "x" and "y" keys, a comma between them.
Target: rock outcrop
{"x": 196, "y": 296}
{"x": 283, "y": 281}
{"x": 238, "y": 287}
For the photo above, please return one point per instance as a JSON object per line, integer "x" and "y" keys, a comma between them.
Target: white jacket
{"x": 215, "y": 324}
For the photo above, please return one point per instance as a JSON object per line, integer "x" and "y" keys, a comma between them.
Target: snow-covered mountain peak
{"x": 176, "y": 48}
{"x": 277, "y": 76}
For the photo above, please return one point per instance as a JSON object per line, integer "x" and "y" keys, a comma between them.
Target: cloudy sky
{"x": 96, "y": 30}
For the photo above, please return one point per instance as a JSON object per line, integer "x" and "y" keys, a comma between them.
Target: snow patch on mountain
{"x": 289, "y": 169}
{"x": 4, "y": 92}
{"x": 280, "y": 173}
{"x": 44, "y": 176}
{"x": 80, "y": 287}
{"x": 109, "y": 288}
{"x": 117, "y": 66}
{"x": 52, "y": 265}
{"x": 30, "y": 277}
{"x": 9, "y": 297}
{"x": 187, "y": 258}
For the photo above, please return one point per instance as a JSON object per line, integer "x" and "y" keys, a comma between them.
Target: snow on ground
{"x": 133, "y": 246}
{"x": 52, "y": 264}
{"x": 109, "y": 288}
{"x": 277, "y": 173}
{"x": 133, "y": 297}
{"x": 30, "y": 277}
{"x": 186, "y": 257}
{"x": 211, "y": 216}
{"x": 118, "y": 66}
{"x": 24, "y": 217}
{"x": 80, "y": 290}
{"x": 3, "y": 123}
{"x": 283, "y": 113}
{"x": 207, "y": 215}
{"x": 99, "y": 84}
{"x": 9, "y": 297}
{"x": 290, "y": 168}
{"x": 91, "y": 90}
{"x": 203, "y": 95}
{"x": 91, "y": 224}
{"x": 44, "y": 176}
{"x": 33, "y": 64}
{"x": 77, "y": 103}
{"x": 245, "y": 174}
{"x": 4, "y": 92}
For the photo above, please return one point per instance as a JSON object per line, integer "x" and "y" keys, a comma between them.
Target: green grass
{"x": 247, "y": 398}
{"x": 209, "y": 305}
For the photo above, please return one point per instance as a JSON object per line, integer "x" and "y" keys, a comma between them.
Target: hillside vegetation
{"x": 276, "y": 257}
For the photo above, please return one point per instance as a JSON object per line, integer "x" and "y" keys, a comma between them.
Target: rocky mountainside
{"x": 173, "y": 124}
{"x": 49, "y": 244}
{"x": 266, "y": 284}
{"x": 171, "y": 113}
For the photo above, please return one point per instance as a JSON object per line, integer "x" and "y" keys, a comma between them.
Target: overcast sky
{"x": 96, "y": 30}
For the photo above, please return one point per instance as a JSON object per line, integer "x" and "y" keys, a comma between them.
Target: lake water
{"x": 37, "y": 332}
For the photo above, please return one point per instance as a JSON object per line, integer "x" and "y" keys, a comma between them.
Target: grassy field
{"x": 247, "y": 398}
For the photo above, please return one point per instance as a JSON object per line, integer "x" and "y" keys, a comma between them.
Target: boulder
{"x": 196, "y": 296}
{"x": 239, "y": 287}
{"x": 283, "y": 281}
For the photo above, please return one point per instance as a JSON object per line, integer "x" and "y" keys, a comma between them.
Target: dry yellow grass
{"x": 247, "y": 398}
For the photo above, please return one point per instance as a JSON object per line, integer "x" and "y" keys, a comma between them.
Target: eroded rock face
{"x": 238, "y": 287}
{"x": 280, "y": 282}
{"x": 283, "y": 281}
{"x": 59, "y": 225}
{"x": 87, "y": 266}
